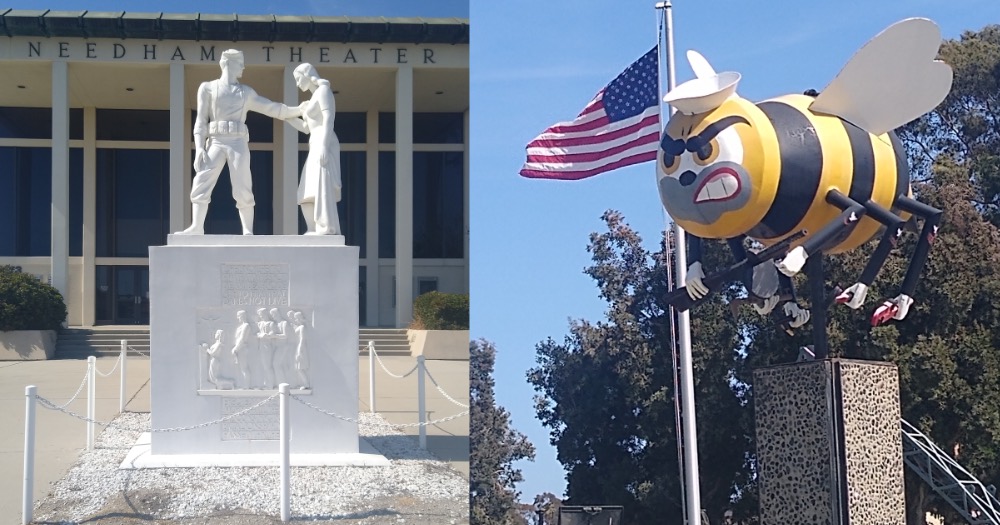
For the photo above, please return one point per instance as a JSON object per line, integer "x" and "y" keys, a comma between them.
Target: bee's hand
{"x": 854, "y": 296}
{"x": 799, "y": 315}
{"x": 693, "y": 282}
{"x": 768, "y": 305}
{"x": 793, "y": 262}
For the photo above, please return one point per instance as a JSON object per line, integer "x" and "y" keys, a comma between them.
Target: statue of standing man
{"x": 320, "y": 183}
{"x": 220, "y": 136}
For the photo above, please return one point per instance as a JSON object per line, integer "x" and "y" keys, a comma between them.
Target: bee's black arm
{"x": 679, "y": 298}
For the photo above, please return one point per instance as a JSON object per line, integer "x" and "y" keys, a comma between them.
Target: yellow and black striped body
{"x": 792, "y": 158}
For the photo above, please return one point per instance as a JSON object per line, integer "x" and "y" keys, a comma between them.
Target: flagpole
{"x": 690, "y": 433}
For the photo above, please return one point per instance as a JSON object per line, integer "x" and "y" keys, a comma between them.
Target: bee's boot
{"x": 896, "y": 308}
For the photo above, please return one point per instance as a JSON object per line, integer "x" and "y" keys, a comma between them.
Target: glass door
{"x": 130, "y": 296}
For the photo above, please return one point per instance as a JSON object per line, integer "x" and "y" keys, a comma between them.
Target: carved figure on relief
{"x": 265, "y": 333}
{"x": 320, "y": 182}
{"x": 301, "y": 354}
{"x": 282, "y": 356}
{"x": 244, "y": 346}
{"x": 221, "y": 137}
{"x": 215, "y": 356}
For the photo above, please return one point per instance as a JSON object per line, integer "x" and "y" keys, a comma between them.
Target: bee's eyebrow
{"x": 675, "y": 147}
{"x": 715, "y": 128}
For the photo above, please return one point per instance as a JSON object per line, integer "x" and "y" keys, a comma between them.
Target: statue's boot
{"x": 246, "y": 218}
{"x": 198, "y": 212}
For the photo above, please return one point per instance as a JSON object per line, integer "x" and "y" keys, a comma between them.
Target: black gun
{"x": 679, "y": 298}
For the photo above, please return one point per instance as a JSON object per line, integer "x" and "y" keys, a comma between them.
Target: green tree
{"x": 607, "y": 390}
{"x": 494, "y": 445}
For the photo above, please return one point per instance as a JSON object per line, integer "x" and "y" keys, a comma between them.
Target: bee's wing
{"x": 890, "y": 81}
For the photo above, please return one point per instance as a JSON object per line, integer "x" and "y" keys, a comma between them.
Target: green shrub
{"x": 27, "y": 303}
{"x": 441, "y": 311}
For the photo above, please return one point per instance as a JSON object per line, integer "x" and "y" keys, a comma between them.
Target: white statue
{"x": 265, "y": 333}
{"x": 244, "y": 340}
{"x": 301, "y": 357}
{"x": 220, "y": 136}
{"x": 215, "y": 365}
{"x": 320, "y": 183}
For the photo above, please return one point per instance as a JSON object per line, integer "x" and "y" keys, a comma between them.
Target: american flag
{"x": 619, "y": 127}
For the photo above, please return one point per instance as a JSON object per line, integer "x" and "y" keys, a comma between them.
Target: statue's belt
{"x": 226, "y": 127}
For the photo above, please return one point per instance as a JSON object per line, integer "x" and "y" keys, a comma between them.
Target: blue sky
{"x": 536, "y": 63}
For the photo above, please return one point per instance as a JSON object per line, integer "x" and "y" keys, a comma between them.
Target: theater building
{"x": 96, "y": 119}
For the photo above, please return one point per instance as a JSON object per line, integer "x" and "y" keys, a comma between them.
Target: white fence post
{"x": 27, "y": 506}
{"x": 283, "y": 435}
{"x": 121, "y": 387}
{"x": 421, "y": 402}
{"x": 371, "y": 376}
{"x": 91, "y": 394}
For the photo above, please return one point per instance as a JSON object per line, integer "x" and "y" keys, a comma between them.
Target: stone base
{"x": 828, "y": 443}
{"x": 139, "y": 457}
{"x": 206, "y": 363}
{"x": 27, "y": 345}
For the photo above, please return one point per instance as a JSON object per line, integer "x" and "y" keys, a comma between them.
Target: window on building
{"x": 350, "y": 127}
{"x": 426, "y": 285}
{"x": 351, "y": 207}
{"x": 133, "y": 124}
{"x": 75, "y": 202}
{"x": 387, "y": 204}
{"x": 428, "y": 128}
{"x": 25, "y": 201}
{"x": 438, "y": 205}
{"x": 132, "y": 201}
{"x": 36, "y": 123}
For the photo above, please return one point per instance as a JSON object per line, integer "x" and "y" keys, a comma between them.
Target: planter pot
{"x": 439, "y": 344}
{"x": 24, "y": 345}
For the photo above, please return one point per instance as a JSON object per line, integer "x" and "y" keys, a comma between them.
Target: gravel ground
{"x": 416, "y": 489}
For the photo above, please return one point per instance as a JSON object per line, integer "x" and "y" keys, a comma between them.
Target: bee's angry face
{"x": 700, "y": 174}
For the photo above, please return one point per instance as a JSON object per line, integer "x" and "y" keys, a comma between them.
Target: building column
{"x": 371, "y": 219}
{"x": 60, "y": 177}
{"x": 404, "y": 196}
{"x": 179, "y": 164}
{"x": 89, "y": 270}
{"x": 287, "y": 210}
{"x": 465, "y": 196}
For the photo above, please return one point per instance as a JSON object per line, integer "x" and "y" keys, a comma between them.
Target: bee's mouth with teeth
{"x": 721, "y": 185}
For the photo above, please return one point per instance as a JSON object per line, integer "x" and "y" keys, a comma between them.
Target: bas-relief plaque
{"x": 254, "y": 340}
{"x": 260, "y": 423}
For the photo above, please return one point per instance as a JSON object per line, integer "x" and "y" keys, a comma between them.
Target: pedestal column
{"x": 828, "y": 443}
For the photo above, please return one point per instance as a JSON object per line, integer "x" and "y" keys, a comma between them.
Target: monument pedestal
{"x": 231, "y": 317}
{"x": 828, "y": 443}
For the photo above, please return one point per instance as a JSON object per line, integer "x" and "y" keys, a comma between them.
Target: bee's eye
{"x": 669, "y": 163}
{"x": 707, "y": 153}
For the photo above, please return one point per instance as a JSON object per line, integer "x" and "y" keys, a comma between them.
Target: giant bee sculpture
{"x": 825, "y": 168}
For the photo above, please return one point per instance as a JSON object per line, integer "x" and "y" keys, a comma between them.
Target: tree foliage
{"x": 494, "y": 445}
{"x": 606, "y": 391}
